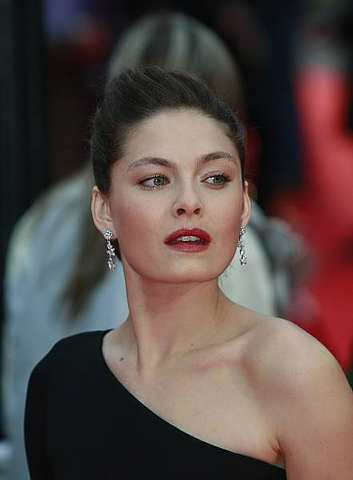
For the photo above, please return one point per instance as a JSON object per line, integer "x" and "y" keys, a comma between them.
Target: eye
{"x": 219, "y": 179}
{"x": 156, "y": 181}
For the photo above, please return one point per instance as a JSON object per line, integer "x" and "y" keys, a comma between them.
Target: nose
{"x": 188, "y": 203}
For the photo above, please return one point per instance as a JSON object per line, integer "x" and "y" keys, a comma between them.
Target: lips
{"x": 194, "y": 232}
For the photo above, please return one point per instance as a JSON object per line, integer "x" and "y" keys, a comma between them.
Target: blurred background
{"x": 295, "y": 62}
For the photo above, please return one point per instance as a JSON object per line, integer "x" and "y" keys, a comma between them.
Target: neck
{"x": 167, "y": 321}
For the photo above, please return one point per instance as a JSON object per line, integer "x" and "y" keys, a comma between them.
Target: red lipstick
{"x": 188, "y": 240}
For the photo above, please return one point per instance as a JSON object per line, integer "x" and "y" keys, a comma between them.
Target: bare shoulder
{"x": 284, "y": 357}
{"x": 278, "y": 347}
{"x": 307, "y": 397}
{"x": 273, "y": 349}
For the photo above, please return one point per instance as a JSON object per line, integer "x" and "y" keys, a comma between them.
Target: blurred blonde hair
{"x": 177, "y": 41}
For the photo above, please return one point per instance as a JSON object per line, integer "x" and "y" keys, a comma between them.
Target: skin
{"x": 251, "y": 384}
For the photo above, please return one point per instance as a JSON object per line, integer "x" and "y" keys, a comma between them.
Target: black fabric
{"x": 82, "y": 423}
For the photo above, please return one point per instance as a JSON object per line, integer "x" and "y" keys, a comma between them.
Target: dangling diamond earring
{"x": 242, "y": 255}
{"x": 108, "y": 235}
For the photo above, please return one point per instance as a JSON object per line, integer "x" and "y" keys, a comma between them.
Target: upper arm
{"x": 314, "y": 414}
{"x": 35, "y": 422}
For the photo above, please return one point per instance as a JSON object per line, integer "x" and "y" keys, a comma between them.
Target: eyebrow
{"x": 166, "y": 163}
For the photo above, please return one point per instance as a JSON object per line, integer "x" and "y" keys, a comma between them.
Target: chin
{"x": 179, "y": 270}
{"x": 179, "y": 274}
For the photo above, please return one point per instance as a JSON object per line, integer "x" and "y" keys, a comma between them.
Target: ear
{"x": 101, "y": 213}
{"x": 245, "y": 216}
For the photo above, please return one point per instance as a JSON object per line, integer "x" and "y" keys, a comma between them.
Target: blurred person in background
{"x": 56, "y": 283}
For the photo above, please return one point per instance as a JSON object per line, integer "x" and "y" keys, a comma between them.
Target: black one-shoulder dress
{"x": 82, "y": 423}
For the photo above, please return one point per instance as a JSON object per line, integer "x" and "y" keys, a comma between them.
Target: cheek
{"x": 226, "y": 214}
{"x": 134, "y": 220}
{"x": 226, "y": 220}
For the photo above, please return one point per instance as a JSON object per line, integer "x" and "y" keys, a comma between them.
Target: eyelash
{"x": 226, "y": 179}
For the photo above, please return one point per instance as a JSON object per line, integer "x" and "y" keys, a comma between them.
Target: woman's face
{"x": 179, "y": 171}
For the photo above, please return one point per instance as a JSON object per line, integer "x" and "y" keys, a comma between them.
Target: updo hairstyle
{"x": 136, "y": 95}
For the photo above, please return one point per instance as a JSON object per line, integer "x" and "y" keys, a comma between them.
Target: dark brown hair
{"x": 136, "y": 95}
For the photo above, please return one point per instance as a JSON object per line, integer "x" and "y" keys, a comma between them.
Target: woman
{"x": 42, "y": 307}
{"x": 221, "y": 391}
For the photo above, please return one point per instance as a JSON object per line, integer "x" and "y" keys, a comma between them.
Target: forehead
{"x": 178, "y": 132}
